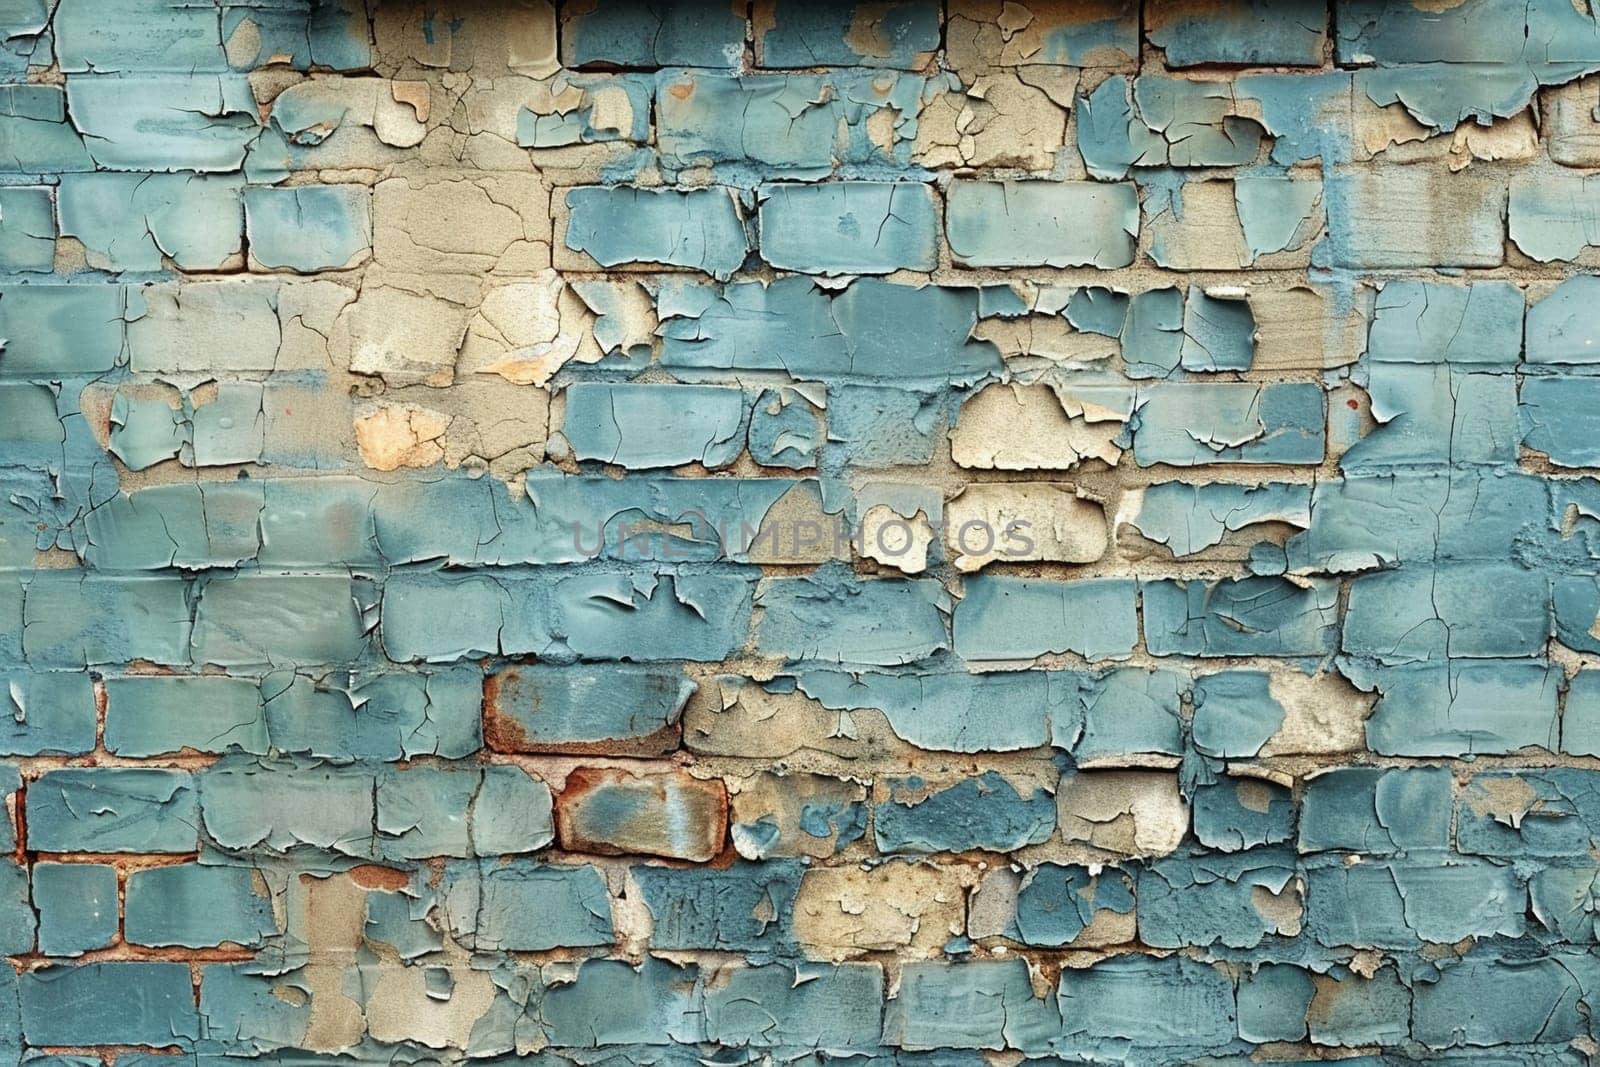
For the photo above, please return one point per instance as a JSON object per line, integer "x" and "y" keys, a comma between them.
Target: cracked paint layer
{"x": 776, "y": 532}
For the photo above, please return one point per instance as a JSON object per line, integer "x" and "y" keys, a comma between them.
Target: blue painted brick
{"x": 986, "y": 812}
{"x": 77, "y": 905}
{"x": 526, "y": 908}
{"x": 197, "y": 907}
{"x": 849, "y": 227}
{"x": 633, "y": 33}
{"x": 1004, "y": 618}
{"x": 1375, "y": 810}
{"x": 308, "y": 228}
{"x": 700, "y": 228}
{"x": 113, "y": 809}
{"x": 109, "y": 1004}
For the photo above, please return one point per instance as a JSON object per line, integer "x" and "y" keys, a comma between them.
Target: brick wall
{"x": 693, "y": 532}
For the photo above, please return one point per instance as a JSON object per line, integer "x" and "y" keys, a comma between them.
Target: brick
{"x": 293, "y": 618}
{"x": 27, "y": 230}
{"x": 947, "y": 710}
{"x": 376, "y": 716}
{"x": 1101, "y": 34}
{"x": 141, "y": 37}
{"x": 1241, "y": 31}
{"x": 1010, "y": 427}
{"x": 1273, "y": 1000}
{"x": 1190, "y": 424}
{"x": 1236, "y": 900}
{"x": 1349, "y": 1009}
{"x": 1559, "y": 900}
{"x": 900, "y": 905}
{"x": 454, "y": 223}
{"x": 336, "y": 39}
{"x": 61, "y": 329}
{"x": 412, "y": 606}
{"x": 786, "y": 429}
{"x": 1580, "y": 715}
{"x": 279, "y": 221}
{"x": 795, "y": 815}
{"x": 776, "y": 1005}
{"x": 1023, "y": 522}
{"x": 838, "y": 618}
{"x": 1061, "y": 905}
{"x": 1570, "y": 127}
{"x": 986, "y": 812}
{"x": 749, "y": 123}
{"x": 1134, "y": 813}
{"x": 643, "y": 426}
{"x": 231, "y": 427}
{"x": 615, "y": 813}
{"x": 199, "y": 122}
{"x": 1234, "y": 714}
{"x": 850, "y": 227}
{"x": 1376, "y": 811}
{"x": 77, "y": 905}
{"x": 180, "y": 327}
{"x": 1248, "y": 616}
{"x": 794, "y": 34}
{"x": 1556, "y": 419}
{"x": 610, "y": 1002}
{"x": 1385, "y": 515}
{"x": 109, "y": 1004}
{"x": 688, "y": 616}
{"x": 51, "y": 713}
{"x": 133, "y": 221}
{"x": 1532, "y": 1000}
{"x": 1153, "y": 121}
{"x": 22, "y": 916}
{"x": 1483, "y": 33}
{"x": 143, "y": 716}
{"x": 1147, "y": 1002}
{"x": 1230, "y": 224}
{"x": 1466, "y": 706}
{"x": 1416, "y": 216}
{"x": 1125, "y": 715}
{"x": 74, "y": 619}
{"x": 873, "y": 329}
{"x": 584, "y": 708}
{"x": 1549, "y": 814}
{"x": 613, "y": 107}
{"x": 1560, "y": 326}
{"x": 985, "y": 1004}
{"x": 1036, "y": 224}
{"x": 39, "y": 138}
{"x": 1239, "y": 812}
{"x": 524, "y": 907}
{"x": 428, "y": 812}
{"x": 245, "y": 1004}
{"x": 280, "y": 807}
{"x": 113, "y": 809}
{"x": 1004, "y": 618}
{"x": 1422, "y": 322}
{"x": 700, "y": 229}
{"x": 885, "y": 426}
{"x": 696, "y": 33}
{"x": 742, "y": 908}
{"x": 1384, "y": 620}
{"x": 198, "y": 906}
{"x": 1399, "y": 905}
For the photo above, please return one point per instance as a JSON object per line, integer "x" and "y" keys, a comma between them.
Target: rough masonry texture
{"x": 690, "y": 532}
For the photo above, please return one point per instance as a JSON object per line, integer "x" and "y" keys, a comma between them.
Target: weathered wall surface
{"x": 694, "y": 532}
